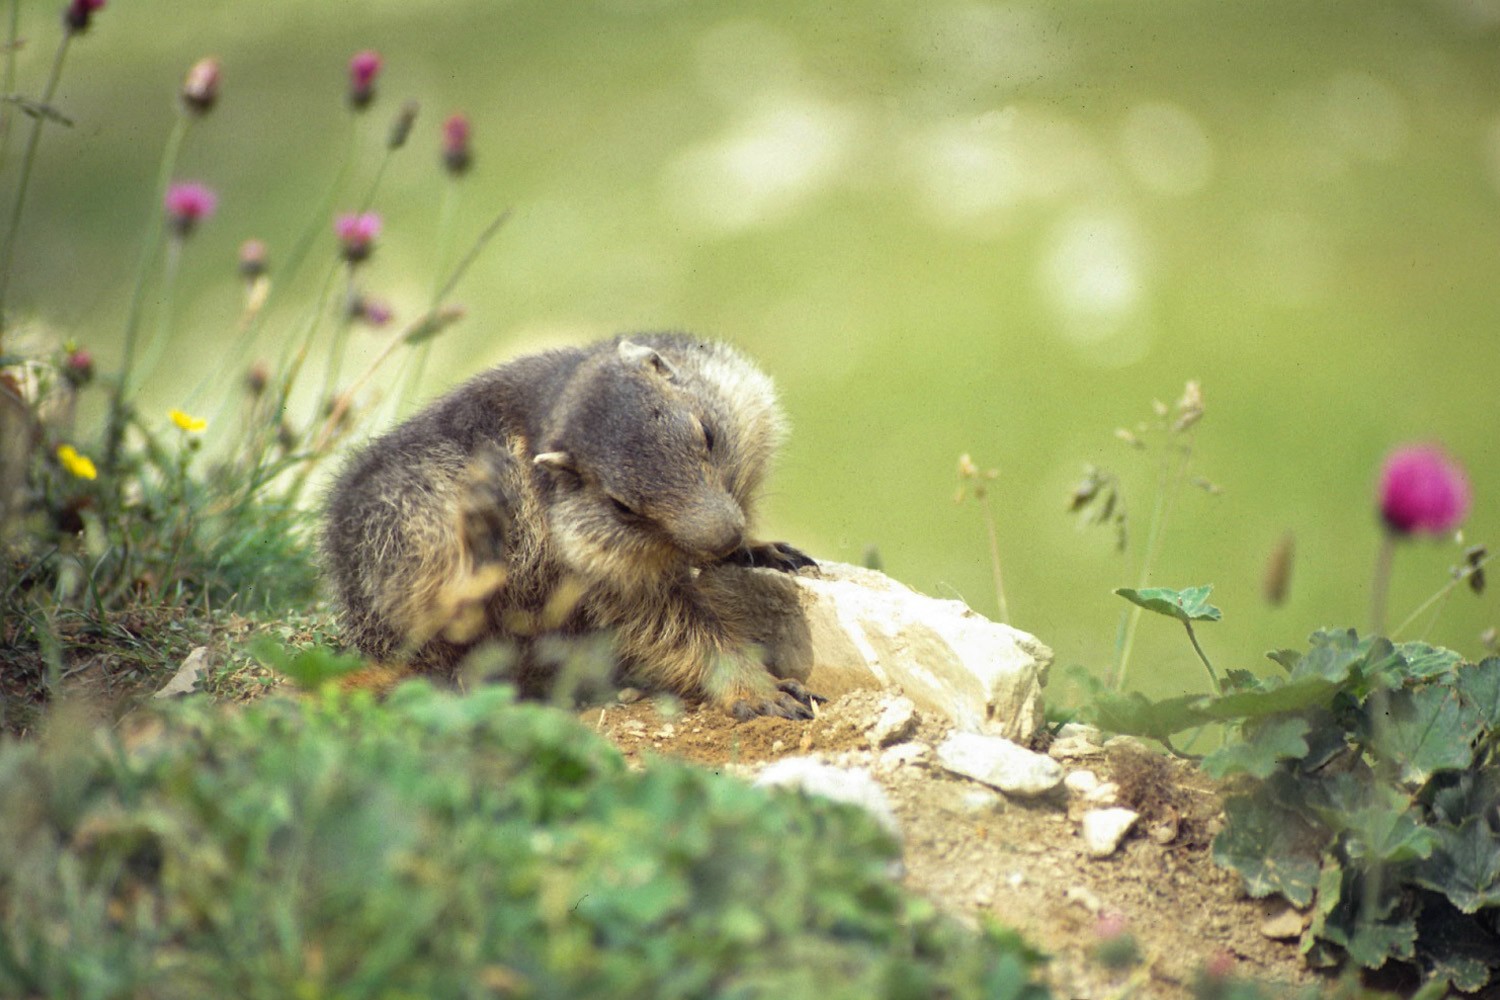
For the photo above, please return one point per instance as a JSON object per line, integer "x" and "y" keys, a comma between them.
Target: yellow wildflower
{"x": 187, "y": 421}
{"x": 79, "y": 465}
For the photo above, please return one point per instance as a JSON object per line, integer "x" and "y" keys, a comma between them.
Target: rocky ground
{"x": 1021, "y": 859}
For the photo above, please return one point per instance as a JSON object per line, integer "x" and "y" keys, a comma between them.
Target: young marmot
{"x": 604, "y": 489}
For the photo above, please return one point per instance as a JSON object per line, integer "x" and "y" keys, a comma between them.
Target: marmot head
{"x": 640, "y": 474}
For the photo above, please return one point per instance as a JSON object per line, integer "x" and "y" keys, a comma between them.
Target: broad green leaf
{"x": 1240, "y": 680}
{"x": 1424, "y": 661}
{"x": 1421, "y": 730}
{"x": 1134, "y": 714}
{"x": 1457, "y": 947}
{"x": 1286, "y": 658}
{"x": 1274, "y": 850}
{"x": 1371, "y": 930}
{"x": 1465, "y": 865}
{"x": 1189, "y": 605}
{"x": 1260, "y": 749}
{"x": 1479, "y": 685}
{"x": 1274, "y": 696}
{"x": 1383, "y": 834}
{"x": 1337, "y": 655}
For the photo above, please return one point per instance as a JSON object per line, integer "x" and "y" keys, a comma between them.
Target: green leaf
{"x": 1274, "y": 696}
{"x": 1424, "y": 662}
{"x": 1133, "y": 714}
{"x": 1465, "y": 865}
{"x": 1381, "y": 834}
{"x": 310, "y": 668}
{"x": 1273, "y": 849}
{"x": 1189, "y": 605}
{"x": 1422, "y": 730}
{"x": 1479, "y": 685}
{"x": 1286, "y": 658}
{"x": 1261, "y": 749}
{"x": 1457, "y": 948}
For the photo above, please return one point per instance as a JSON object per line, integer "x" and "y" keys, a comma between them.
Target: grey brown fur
{"x": 605, "y": 489}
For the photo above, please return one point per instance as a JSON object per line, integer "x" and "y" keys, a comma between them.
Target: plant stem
{"x": 28, "y": 160}
{"x": 163, "y": 332}
{"x": 1442, "y": 593}
{"x": 7, "y": 106}
{"x": 1212, "y": 674}
{"x": 1167, "y": 487}
{"x": 994, "y": 537}
{"x": 115, "y": 425}
{"x": 1380, "y": 582}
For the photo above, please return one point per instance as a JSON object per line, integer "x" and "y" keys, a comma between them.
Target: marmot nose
{"x": 714, "y": 530}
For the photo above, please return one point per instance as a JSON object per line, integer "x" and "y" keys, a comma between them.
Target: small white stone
{"x": 1000, "y": 763}
{"x": 1103, "y": 829}
{"x": 1015, "y": 879}
{"x": 897, "y": 721}
{"x": 903, "y": 755}
{"x": 1103, "y": 795}
{"x": 854, "y": 786}
{"x": 1085, "y": 898}
{"x": 1073, "y": 747}
{"x": 980, "y": 800}
{"x": 1080, "y": 730}
{"x": 1081, "y": 782}
{"x": 1284, "y": 926}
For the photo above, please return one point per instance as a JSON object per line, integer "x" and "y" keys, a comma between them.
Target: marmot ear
{"x": 557, "y": 461}
{"x": 644, "y": 357}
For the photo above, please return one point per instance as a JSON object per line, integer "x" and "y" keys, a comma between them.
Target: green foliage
{"x": 1189, "y": 605}
{"x": 1363, "y": 785}
{"x": 443, "y": 845}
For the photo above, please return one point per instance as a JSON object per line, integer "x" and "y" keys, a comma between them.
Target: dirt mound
{"x": 974, "y": 851}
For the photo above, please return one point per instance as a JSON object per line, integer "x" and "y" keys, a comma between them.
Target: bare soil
{"x": 1023, "y": 863}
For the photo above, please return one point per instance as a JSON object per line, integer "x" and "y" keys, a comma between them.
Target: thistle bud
{"x": 78, "y": 13}
{"x": 401, "y": 125}
{"x": 254, "y": 260}
{"x": 200, "y": 89}
{"x": 457, "y": 157}
{"x": 364, "y": 67}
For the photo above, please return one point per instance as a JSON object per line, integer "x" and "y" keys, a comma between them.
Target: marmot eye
{"x": 708, "y": 437}
{"x": 622, "y": 508}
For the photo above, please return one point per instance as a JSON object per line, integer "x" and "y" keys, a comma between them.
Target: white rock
{"x": 868, "y": 631}
{"x": 1103, "y": 829}
{"x": 1000, "y": 763}
{"x": 1284, "y": 926}
{"x": 980, "y": 800}
{"x": 1082, "y": 731}
{"x": 903, "y": 755}
{"x": 1106, "y": 794}
{"x": 854, "y": 786}
{"x": 1084, "y": 897}
{"x": 1073, "y": 747}
{"x": 897, "y": 721}
{"x": 1081, "y": 782}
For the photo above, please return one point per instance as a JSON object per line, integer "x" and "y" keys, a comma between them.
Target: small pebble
{"x": 1103, "y": 829}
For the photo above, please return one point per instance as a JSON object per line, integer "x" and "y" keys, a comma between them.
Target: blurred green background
{"x": 1000, "y": 228}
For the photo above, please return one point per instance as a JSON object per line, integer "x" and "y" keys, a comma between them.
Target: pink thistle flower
{"x": 200, "y": 89}
{"x": 457, "y": 156}
{"x": 364, "y": 67}
{"x": 357, "y": 235}
{"x": 187, "y": 204}
{"x": 1422, "y": 490}
{"x": 78, "y": 14}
